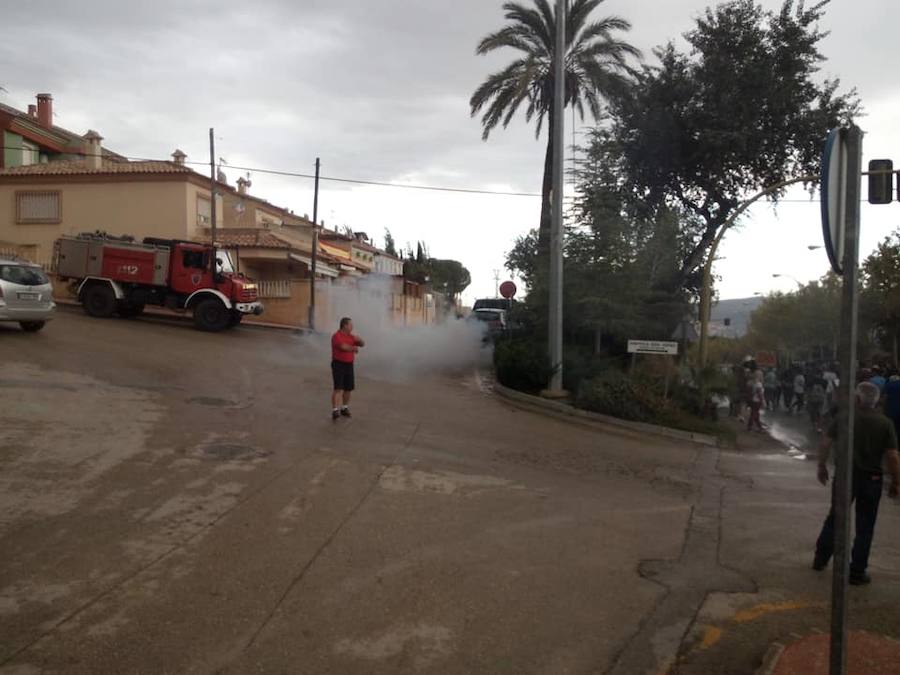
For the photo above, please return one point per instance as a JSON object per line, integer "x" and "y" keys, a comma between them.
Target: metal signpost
{"x": 659, "y": 347}
{"x": 212, "y": 200}
{"x": 840, "y": 194}
{"x": 508, "y": 291}
{"x": 315, "y": 251}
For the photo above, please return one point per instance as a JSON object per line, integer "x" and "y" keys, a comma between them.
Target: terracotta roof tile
{"x": 70, "y": 137}
{"x": 73, "y": 167}
{"x": 250, "y": 238}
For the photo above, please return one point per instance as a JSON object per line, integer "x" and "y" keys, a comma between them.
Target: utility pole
{"x": 315, "y": 251}
{"x": 212, "y": 199}
{"x": 556, "y": 229}
{"x": 843, "y": 454}
{"x": 496, "y": 283}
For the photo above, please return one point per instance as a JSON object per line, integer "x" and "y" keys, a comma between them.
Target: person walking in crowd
{"x": 892, "y": 399}
{"x": 787, "y": 388}
{"x": 874, "y": 444}
{"x": 770, "y": 382}
{"x": 799, "y": 401}
{"x": 737, "y": 397}
{"x": 816, "y": 402}
{"x": 757, "y": 396}
{"x": 831, "y": 384}
{"x": 877, "y": 378}
{"x": 344, "y": 347}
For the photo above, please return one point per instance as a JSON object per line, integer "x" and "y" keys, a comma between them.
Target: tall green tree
{"x": 449, "y": 277}
{"x": 743, "y": 109}
{"x": 390, "y": 246}
{"x": 596, "y": 66}
{"x": 805, "y": 324}
{"x": 881, "y": 292}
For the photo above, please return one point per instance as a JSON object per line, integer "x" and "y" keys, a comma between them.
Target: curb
{"x": 559, "y": 409}
{"x": 66, "y": 304}
{"x": 770, "y": 660}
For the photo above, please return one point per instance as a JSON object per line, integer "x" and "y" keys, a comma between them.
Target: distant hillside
{"x": 738, "y": 310}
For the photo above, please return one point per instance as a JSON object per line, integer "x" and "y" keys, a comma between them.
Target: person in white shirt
{"x": 799, "y": 392}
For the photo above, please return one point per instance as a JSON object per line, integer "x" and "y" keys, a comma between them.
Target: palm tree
{"x": 596, "y": 67}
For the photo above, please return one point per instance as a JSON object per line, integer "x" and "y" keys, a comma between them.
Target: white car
{"x": 26, "y": 295}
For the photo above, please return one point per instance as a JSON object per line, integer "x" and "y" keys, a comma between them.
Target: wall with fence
{"x": 26, "y": 252}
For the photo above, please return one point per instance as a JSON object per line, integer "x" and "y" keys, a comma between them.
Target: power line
{"x": 334, "y": 179}
{"x": 356, "y": 181}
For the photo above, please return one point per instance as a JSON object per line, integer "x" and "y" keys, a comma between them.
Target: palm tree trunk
{"x": 546, "y": 190}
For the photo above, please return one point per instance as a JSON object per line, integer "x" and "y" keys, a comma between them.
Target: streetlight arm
{"x": 705, "y": 290}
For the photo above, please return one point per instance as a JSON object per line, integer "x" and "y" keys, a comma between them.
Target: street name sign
{"x": 652, "y": 347}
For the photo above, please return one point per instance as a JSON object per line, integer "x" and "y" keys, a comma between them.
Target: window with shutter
{"x": 204, "y": 211}
{"x": 38, "y": 207}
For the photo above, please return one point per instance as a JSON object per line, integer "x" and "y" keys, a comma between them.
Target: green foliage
{"x": 805, "y": 323}
{"x": 614, "y": 393}
{"x": 521, "y": 364}
{"x": 739, "y": 112}
{"x": 880, "y": 301}
{"x": 596, "y": 65}
{"x": 390, "y": 246}
{"x": 448, "y": 277}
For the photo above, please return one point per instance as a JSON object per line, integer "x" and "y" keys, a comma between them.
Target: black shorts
{"x": 342, "y": 374}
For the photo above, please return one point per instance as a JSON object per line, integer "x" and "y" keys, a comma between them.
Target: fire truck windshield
{"x": 225, "y": 258}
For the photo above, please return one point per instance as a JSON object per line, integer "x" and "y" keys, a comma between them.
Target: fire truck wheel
{"x": 211, "y": 315}
{"x": 99, "y": 300}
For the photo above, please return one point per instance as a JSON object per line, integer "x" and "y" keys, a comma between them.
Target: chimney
{"x": 243, "y": 184}
{"x": 32, "y": 110}
{"x": 45, "y": 110}
{"x": 92, "y": 150}
{"x": 178, "y": 157}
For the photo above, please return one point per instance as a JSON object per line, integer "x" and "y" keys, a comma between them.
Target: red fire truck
{"x": 120, "y": 276}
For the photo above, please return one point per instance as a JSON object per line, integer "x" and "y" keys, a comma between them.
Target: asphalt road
{"x": 172, "y": 501}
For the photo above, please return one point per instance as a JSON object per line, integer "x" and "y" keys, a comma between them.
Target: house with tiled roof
{"x": 32, "y": 136}
{"x": 273, "y": 255}
{"x": 55, "y": 182}
{"x": 357, "y": 249}
{"x": 41, "y": 202}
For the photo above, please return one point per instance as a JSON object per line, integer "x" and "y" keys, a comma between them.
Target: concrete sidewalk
{"x": 771, "y": 516}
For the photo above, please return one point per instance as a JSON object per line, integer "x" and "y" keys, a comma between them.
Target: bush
{"x": 521, "y": 364}
{"x": 614, "y": 393}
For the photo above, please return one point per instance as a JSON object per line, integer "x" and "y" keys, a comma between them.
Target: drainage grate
{"x": 229, "y": 451}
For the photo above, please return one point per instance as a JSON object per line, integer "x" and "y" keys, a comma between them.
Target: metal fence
{"x": 15, "y": 253}
{"x": 274, "y": 289}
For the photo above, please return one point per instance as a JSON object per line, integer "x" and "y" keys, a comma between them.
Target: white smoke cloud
{"x": 397, "y": 352}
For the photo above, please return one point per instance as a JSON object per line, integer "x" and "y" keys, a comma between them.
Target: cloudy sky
{"x": 379, "y": 90}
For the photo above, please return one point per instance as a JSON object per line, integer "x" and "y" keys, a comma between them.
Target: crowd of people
{"x": 806, "y": 389}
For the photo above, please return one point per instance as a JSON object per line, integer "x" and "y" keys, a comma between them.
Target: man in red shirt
{"x": 344, "y": 345}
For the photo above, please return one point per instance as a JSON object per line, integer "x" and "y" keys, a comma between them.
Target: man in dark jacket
{"x": 874, "y": 446}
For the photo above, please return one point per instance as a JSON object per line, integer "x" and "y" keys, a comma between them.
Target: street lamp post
{"x": 788, "y": 276}
{"x": 556, "y": 229}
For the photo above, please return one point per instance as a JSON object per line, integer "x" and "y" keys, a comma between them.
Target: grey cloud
{"x": 379, "y": 89}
